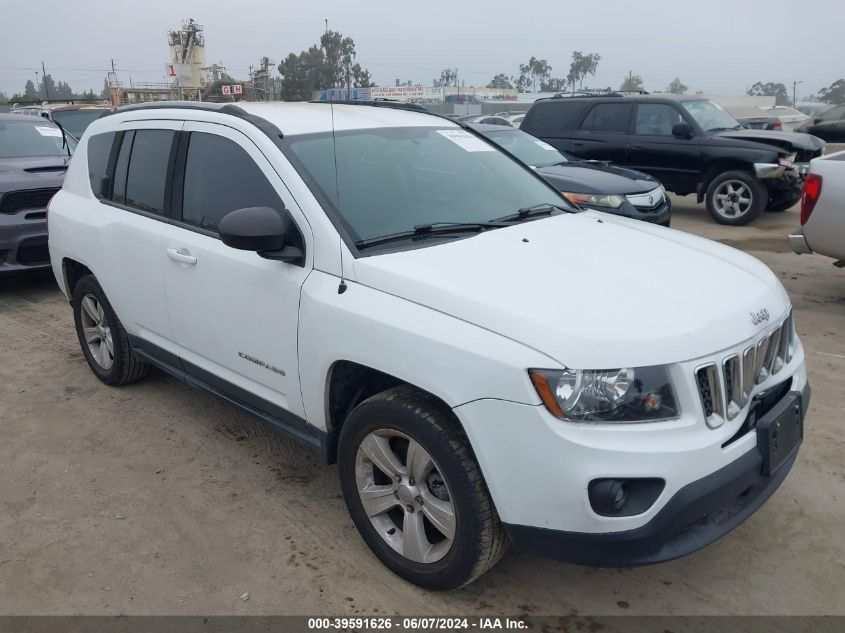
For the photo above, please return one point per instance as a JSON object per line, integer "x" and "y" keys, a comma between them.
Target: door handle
{"x": 577, "y": 144}
{"x": 637, "y": 147}
{"x": 182, "y": 255}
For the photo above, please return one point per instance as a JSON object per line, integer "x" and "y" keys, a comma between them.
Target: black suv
{"x": 690, "y": 144}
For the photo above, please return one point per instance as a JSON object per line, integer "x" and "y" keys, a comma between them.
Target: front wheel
{"x": 415, "y": 491}
{"x": 735, "y": 198}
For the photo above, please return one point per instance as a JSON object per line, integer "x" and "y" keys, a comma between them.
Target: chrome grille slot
{"x": 760, "y": 373}
{"x": 710, "y": 391}
{"x": 748, "y": 374}
{"x": 772, "y": 352}
{"x": 786, "y": 339}
{"x": 732, "y": 369}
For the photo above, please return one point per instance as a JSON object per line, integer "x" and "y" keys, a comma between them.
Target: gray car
{"x": 34, "y": 155}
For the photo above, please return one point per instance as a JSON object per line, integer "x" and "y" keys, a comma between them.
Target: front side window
{"x": 656, "y": 119}
{"x": 146, "y": 179}
{"x": 221, "y": 177}
{"x": 26, "y": 138}
{"x": 834, "y": 114}
{"x": 710, "y": 116}
{"x": 392, "y": 180}
{"x": 608, "y": 118}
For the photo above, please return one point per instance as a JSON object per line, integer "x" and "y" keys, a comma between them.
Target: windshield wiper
{"x": 724, "y": 129}
{"x": 434, "y": 228}
{"x": 544, "y": 208}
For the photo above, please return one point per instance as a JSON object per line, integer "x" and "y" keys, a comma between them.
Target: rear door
{"x": 603, "y": 133}
{"x": 130, "y": 219}
{"x": 675, "y": 162}
{"x": 234, "y": 314}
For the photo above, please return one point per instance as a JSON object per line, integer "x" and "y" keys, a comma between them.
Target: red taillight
{"x": 812, "y": 191}
{"x": 778, "y": 124}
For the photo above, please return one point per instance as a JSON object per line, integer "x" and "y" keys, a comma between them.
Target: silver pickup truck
{"x": 823, "y": 210}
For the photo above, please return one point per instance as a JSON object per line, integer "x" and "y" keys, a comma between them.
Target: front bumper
{"x": 23, "y": 241}
{"x": 697, "y": 515}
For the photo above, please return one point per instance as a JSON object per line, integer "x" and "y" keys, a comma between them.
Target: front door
{"x": 675, "y": 162}
{"x": 234, "y": 314}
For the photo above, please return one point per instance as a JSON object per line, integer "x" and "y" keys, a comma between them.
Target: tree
{"x": 331, "y": 64}
{"x": 676, "y": 87}
{"x": 3, "y": 96}
{"x": 106, "y": 93}
{"x": 500, "y": 81}
{"x": 553, "y": 84}
{"x": 449, "y": 77}
{"x": 632, "y": 83}
{"x": 581, "y": 66}
{"x": 835, "y": 93}
{"x": 770, "y": 89}
{"x": 535, "y": 72}
{"x": 29, "y": 91}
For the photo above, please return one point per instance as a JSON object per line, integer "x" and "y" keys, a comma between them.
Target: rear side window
{"x": 552, "y": 118}
{"x": 146, "y": 180}
{"x": 121, "y": 167}
{"x": 608, "y": 118}
{"x": 221, "y": 177}
{"x": 99, "y": 151}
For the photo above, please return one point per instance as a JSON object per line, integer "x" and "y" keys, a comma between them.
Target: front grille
{"x": 647, "y": 202}
{"x": 15, "y": 201}
{"x": 725, "y": 388}
{"x": 33, "y": 251}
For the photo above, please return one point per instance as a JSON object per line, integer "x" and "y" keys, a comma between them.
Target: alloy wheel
{"x": 405, "y": 495}
{"x": 97, "y": 332}
{"x": 733, "y": 199}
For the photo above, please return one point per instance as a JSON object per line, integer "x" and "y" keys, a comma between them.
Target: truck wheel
{"x": 415, "y": 491}
{"x": 783, "y": 203}
{"x": 735, "y": 197}
{"x": 102, "y": 338}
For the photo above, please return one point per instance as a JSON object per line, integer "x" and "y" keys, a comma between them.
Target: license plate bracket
{"x": 780, "y": 432}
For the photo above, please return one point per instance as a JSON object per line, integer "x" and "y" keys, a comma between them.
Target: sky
{"x": 719, "y": 47}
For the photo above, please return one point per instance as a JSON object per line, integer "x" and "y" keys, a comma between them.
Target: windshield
{"x": 75, "y": 121}
{"x": 32, "y": 138}
{"x": 391, "y": 180}
{"x": 710, "y": 115}
{"x": 529, "y": 149}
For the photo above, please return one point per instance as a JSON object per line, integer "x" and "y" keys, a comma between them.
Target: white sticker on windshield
{"x": 545, "y": 145}
{"x": 466, "y": 140}
{"x": 48, "y": 131}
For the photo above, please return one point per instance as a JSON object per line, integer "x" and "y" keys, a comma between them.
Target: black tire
{"x": 783, "y": 203}
{"x": 479, "y": 539}
{"x": 125, "y": 366}
{"x": 737, "y": 179}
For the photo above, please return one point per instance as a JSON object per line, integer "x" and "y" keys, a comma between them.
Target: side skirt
{"x": 291, "y": 425}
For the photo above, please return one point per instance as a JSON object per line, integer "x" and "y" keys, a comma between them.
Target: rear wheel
{"x": 102, "y": 338}
{"x": 415, "y": 492}
{"x": 735, "y": 198}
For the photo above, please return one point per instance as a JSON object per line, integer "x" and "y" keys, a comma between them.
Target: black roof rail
{"x": 224, "y": 108}
{"x": 379, "y": 103}
{"x": 586, "y": 95}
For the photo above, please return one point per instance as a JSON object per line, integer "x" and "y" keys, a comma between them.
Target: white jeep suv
{"x": 487, "y": 364}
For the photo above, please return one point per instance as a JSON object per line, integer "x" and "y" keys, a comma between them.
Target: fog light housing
{"x": 623, "y": 497}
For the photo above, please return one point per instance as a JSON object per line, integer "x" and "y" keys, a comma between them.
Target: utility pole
{"x": 44, "y": 79}
{"x": 795, "y": 92}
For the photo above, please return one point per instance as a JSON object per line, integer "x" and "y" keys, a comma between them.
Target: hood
{"x": 32, "y": 172}
{"x": 596, "y": 177}
{"x": 791, "y": 141}
{"x": 589, "y": 290}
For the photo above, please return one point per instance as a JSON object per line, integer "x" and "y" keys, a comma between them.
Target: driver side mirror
{"x": 682, "y": 130}
{"x": 266, "y": 231}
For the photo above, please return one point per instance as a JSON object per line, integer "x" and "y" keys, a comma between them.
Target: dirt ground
{"x": 160, "y": 499}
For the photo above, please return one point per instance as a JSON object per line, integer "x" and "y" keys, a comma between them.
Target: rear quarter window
{"x": 99, "y": 150}
{"x": 552, "y": 118}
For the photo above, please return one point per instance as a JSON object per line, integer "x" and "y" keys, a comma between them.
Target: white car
{"x": 823, "y": 210}
{"x": 434, "y": 317}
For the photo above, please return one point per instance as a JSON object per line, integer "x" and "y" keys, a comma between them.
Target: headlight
{"x": 594, "y": 199}
{"x": 629, "y": 394}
